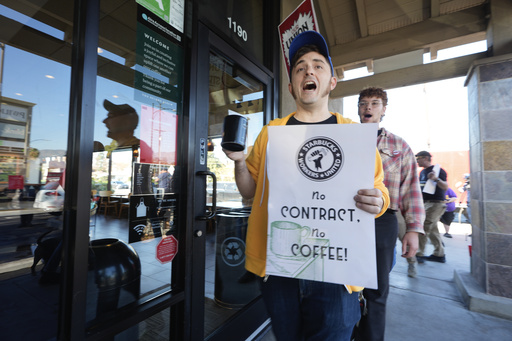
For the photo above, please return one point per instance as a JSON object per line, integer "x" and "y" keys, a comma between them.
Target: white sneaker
{"x": 411, "y": 271}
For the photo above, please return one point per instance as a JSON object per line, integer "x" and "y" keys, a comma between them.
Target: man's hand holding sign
{"x": 369, "y": 200}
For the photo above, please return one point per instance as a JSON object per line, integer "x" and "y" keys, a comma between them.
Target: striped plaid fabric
{"x": 401, "y": 179}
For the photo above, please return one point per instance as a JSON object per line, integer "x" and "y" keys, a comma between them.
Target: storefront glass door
{"x": 228, "y": 286}
{"x": 235, "y": 87}
{"x": 126, "y": 247}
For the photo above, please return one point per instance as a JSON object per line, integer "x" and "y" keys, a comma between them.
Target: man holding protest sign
{"x": 303, "y": 309}
{"x": 401, "y": 179}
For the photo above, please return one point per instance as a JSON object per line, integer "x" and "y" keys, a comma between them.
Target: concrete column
{"x": 499, "y": 37}
{"x": 489, "y": 85}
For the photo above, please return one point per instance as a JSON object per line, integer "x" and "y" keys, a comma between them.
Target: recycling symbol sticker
{"x": 233, "y": 251}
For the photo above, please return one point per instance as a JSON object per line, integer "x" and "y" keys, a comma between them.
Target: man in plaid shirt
{"x": 401, "y": 179}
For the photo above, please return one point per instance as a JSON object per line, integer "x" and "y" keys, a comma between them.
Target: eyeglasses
{"x": 372, "y": 103}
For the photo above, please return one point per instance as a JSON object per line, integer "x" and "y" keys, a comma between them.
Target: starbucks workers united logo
{"x": 320, "y": 158}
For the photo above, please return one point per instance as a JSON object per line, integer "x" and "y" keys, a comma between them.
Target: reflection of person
{"x": 142, "y": 179}
{"x": 121, "y": 122}
{"x": 50, "y": 273}
{"x": 434, "y": 208}
{"x": 302, "y": 309}
{"x": 175, "y": 179}
{"x": 449, "y": 213}
{"x": 401, "y": 180}
{"x": 164, "y": 180}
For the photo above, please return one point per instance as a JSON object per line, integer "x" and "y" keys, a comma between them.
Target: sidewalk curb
{"x": 477, "y": 300}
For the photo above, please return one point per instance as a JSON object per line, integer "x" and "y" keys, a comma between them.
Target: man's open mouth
{"x": 367, "y": 116}
{"x": 309, "y": 86}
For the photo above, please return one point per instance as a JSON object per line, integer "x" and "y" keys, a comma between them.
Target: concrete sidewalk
{"x": 430, "y": 307}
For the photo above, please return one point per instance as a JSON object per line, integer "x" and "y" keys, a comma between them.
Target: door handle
{"x": 213, "y": 211}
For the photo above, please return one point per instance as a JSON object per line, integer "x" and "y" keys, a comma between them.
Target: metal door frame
{"x": 253, "y": 315}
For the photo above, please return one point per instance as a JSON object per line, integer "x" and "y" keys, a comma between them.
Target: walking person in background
{"x": 302, "y": 309}
{"x": 466, "y": 190}
{"x": 434, "y": 208}
{"x": 449, "y": 213}
{"x": 401, "y": 180}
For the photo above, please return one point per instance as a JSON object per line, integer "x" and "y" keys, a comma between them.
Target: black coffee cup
{"x": 235, "y": 132}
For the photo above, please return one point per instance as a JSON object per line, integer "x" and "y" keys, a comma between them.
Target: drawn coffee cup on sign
{"x": 285, "y": 234}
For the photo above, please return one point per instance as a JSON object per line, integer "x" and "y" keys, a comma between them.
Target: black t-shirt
{"x": 293, "y": 121}
{"x": 439, "y": 193}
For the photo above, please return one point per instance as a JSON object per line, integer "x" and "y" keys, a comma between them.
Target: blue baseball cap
{"x": 309, "y": 38}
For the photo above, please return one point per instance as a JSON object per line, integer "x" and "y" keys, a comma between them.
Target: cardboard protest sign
{"x": 315, "y": 231}
{"x": 302, "y": 19}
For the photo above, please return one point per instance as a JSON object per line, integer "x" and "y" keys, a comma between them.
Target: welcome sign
{"x": 315, "y": 230}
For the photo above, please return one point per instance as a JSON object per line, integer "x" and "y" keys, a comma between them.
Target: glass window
{"x": 135, "y": 178}
{"x": 35, "y": 74}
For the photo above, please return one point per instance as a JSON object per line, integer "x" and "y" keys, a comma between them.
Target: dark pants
{"x": 52, "y": 266}
{"x": 372, "y": 326}
{"x": 310, "y": 310}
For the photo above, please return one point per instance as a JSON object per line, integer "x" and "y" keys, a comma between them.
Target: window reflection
{"x": 33, "y": 137}
{"x": 135, "y": 160}
{"x": 34, "y": 109}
